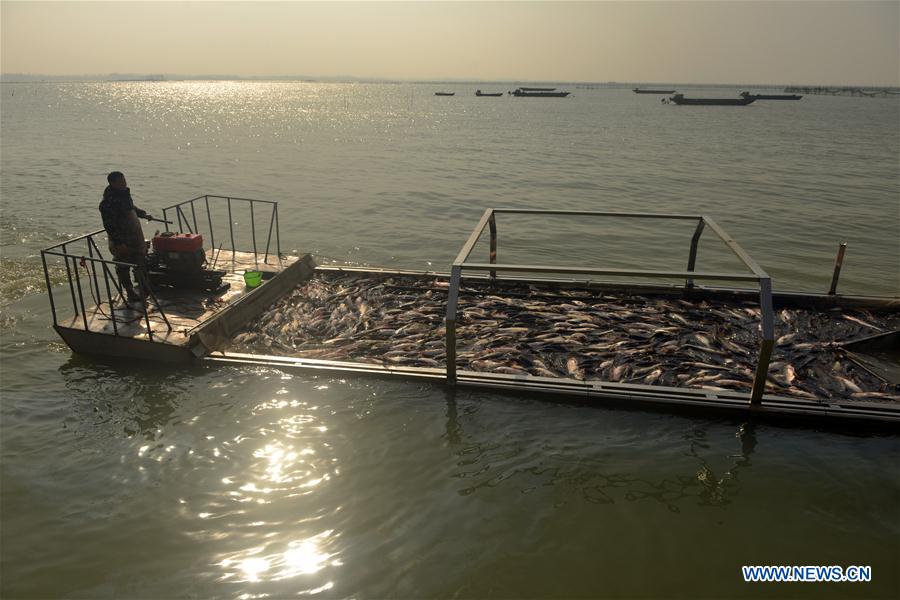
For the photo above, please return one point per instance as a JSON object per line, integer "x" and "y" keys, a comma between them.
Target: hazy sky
{"x": 848, "y": 42}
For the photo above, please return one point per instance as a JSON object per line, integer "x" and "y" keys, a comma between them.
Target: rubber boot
{"x": 130, "y": 294}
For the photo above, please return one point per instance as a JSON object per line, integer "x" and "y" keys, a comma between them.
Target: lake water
{"x": 140, "y": 481}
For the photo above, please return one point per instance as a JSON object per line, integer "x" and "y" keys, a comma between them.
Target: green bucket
{"x": 252, "y": 278}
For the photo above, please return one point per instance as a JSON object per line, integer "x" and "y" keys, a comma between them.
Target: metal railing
{"x": 88, "y": 256}
{"x": 185, "y": 214}
{"x": 84, "y": 252}
{"x": 489, "y": 220}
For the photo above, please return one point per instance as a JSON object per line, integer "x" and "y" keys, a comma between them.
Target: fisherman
{"x": 126, "y": 238}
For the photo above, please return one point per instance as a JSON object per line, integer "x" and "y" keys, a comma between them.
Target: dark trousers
{"x": 139, "y": 259}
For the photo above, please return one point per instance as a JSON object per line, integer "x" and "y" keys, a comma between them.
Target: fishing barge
{"x": 541, "y": 329}
{"x": 177, "y": 323}
{"x": 526, "y": 92}
{"x": 771, "y": 96}
{"x": 680, "y": 100}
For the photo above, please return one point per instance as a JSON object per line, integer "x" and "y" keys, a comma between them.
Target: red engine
{"x": 178, "y": 260}
{"x": 177, "y": 242}
{"x": 178, "y": 253}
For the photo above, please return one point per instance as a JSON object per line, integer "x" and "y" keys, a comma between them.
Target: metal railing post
{"x": 231, "y": 232}
{"x": 492, "y": 225}
{"x": 767, "y": 343}
{"x": 194, "y": 215}
{"x": 49, "y": 289}
{"x": 838, "y": 263}
{"x": 93, "y": 269}
{"x": 112, "y": 309}
{"x": 166, "y": 218}
{"x": 106, "y": 271}
{"x": 212, "y": 234}
{"x": 186, "y": 222}
{"x": 114, "y": 278}
{"x": 80, "y": 294}
{"x": 450, "y": 322}
{"x": 69, "y": 279}
{"x": 147, "y": 319}
{"x": 269, "y": 237}
{"x": 277, "y": 233}
{"x": 253, "y": 234}
{"x": 692, "y": 257}
{"x": 155, "y": 300}
{"x": 91, "y": 241}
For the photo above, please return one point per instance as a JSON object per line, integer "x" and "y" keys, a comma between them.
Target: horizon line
{"x": 162, "y": 77}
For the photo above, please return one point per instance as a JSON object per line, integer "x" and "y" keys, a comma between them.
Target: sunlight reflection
{"x": 318, "y": 590}
{"x": 302, "y": 557}
{"x": 282, "y": 454}
{"x": 252, "y": 567}
{"x": 305, "y": 556}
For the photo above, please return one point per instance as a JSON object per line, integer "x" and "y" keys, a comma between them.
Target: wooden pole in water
{"x": 838, "y": 263}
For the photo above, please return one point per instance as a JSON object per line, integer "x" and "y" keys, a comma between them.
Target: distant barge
{"x": 681, "y": 100}
{"x": 645, "y": 91}
{"x": 184, "y": 326}
{"x": 525, "y": 92}
{"x": 771, "y": 96}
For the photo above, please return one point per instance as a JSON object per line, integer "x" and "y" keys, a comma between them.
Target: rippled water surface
{"x": 131, "y": 480}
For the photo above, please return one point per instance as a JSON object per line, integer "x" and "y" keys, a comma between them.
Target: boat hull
{"x": 712, "y": 101}
{"x": 639, "y": 91}
{"x": 773, "y": 96}
{"x": 519, "y": 94}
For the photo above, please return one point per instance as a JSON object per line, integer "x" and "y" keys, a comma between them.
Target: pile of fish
{"x": 574, "y": 333}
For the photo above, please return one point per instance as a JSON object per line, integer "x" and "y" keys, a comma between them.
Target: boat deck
{"x": 105, "y": 329}
{"x": 185, "y": 309}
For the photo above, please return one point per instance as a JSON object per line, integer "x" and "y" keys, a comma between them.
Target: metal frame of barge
{"x": 174, "y": 325}
{"x": 208, "y": 338}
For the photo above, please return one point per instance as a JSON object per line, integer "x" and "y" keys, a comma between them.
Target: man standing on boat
{"x": 126, "y": 238}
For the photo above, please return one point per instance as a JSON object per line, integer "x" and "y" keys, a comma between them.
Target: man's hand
{"x": 122, "y": 249}
{"x": 149, "y": 217}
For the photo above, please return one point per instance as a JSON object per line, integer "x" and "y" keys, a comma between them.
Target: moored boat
{"x": 680, "y": 99}
{"x": 445, "y": 93}
{"x": 481, "y": 94}
{"x": 640, "y": 91}
{"x": 771, "y": 96}
{"x": 534, "y": 93}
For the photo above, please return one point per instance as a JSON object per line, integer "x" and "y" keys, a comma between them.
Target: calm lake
{"x": 133, "y": 480}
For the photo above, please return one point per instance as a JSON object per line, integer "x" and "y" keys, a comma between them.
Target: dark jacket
{"x": 115, "y": 209}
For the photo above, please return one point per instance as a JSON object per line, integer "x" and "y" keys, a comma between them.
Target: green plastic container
{"x": 252, "y": 278}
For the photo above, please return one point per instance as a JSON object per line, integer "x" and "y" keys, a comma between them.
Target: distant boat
{"x": 640, "y": 91}
{"x": 445, "y": 93}
{"x": 680, "y": 99}
{"x": 538, "y": 93}
{"x": 481, "y": 94}
{"x": 771, "y": 96}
